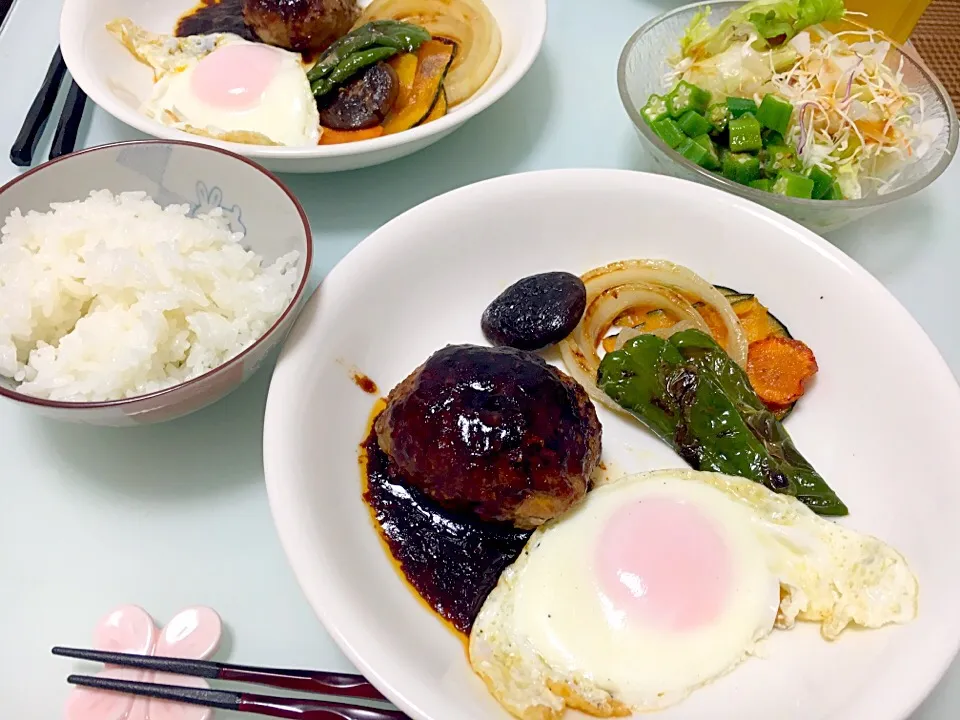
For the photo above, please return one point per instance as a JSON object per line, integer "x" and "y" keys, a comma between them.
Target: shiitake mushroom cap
{"x": 363, "y": 102}
{"x": 535, "y": 312}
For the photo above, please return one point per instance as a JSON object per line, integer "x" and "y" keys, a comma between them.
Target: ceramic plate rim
{"x": 326, "y": 598}
{"x": 532, "y": 37}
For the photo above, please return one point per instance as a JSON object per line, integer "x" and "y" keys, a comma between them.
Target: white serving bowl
{"x": 259, "y": 205}
{"x": 118, "y": 83}
{"x": 879, "y": 424}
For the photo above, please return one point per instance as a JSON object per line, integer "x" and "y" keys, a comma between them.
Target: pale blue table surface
{"x": 175, "y": 515}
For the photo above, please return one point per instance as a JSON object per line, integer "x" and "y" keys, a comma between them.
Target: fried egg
{"x": 225, "y": 87}
{"x": 659, "y": 583}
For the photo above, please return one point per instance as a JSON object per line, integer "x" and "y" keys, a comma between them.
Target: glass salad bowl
{"x": 643, "y": 70}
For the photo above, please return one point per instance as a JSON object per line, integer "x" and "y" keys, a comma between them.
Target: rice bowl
{"x": 142, "y": 281}
{"x": 114, "y": 296}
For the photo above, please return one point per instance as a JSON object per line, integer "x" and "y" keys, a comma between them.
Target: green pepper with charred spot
{"x": 359, "y": 60}
{"x": 359, "y": 39}
{"x": 692, "y": 395}
{"x": 350, "y": 66}
{"x": 405, "y": 39}
{"x": 382, "y": 33}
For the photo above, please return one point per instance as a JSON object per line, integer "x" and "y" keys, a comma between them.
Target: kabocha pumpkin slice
{"x": 714, "y": 321}
{"x": 433, "y": 60}
{"x": 439, "y": 108}
{"x": 329, "y": 136}
{"x": 405, "y": 66}
{"x": 754, "y": 318}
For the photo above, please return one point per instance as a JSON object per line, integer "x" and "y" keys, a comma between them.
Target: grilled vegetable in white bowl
{"x": 304, "y": 86}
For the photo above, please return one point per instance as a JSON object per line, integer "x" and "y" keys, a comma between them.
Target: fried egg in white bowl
{"x": 877, "y": 423}
{"x": 199, "y": 89}
{"x": 661, "y": 582}
{"x": 131, "y": 89}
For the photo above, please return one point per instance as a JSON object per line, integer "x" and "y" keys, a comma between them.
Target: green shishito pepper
{"x": 357, "y": 61}
{"x": 692, "y": 395}
{"x": 360, "y": 48}
{"x": 350, "y": 66}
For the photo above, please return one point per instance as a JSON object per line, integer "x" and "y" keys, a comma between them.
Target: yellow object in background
{"x": 895, "y": 18}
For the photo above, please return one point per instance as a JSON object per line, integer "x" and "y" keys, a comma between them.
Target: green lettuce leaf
{"x": 789, "y": 17}
{"x": 774, "y": 21}
{"x": 697, "y": 31}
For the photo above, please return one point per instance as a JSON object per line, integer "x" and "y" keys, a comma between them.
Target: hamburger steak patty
{"x": 493, "y": 431}
{"x": 301, "y": 25}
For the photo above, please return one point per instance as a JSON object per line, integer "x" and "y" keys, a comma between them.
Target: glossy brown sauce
{"x": 364, "y": 383}
{"x": 215, "y": 16}
{"x": 452, "y": 561}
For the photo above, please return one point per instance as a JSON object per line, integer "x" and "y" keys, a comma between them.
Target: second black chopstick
{"x": 65, "y": 138}
{"x": 327, "y": 683}
{"x": 281, "y": 707}
{"x": 24, "y": 147}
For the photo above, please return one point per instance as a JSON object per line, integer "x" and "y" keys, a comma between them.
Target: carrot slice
{"x": 778, "y": 368}
{"x": 329, "y": 136}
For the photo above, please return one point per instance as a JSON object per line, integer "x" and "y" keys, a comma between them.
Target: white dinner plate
{"x": 880, "y": 423}
{"x": 119, "y": 83}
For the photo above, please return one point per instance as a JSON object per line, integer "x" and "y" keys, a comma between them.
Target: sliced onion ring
{"x": 680, "y": 279}
{"x": 579, "y": 350}
{"x": 615, "y": 288}
{"x": 468, "y": 23}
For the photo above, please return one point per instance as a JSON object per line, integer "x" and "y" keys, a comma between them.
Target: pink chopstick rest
{"x": 193, "y": 633}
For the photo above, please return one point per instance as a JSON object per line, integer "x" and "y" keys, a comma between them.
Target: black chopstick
{"x": 327, "y": 683}
{"x": 5, "y": 7}
{"x": 281, "y": 707}
{"x": 21, "y": 154}
{"x": 65, "y": 139}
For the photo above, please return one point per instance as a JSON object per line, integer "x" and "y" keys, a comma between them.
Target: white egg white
{"x": 545, "y": 641}
{"x": 286, "y": 113}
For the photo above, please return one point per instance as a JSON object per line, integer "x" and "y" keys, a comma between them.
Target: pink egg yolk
{"x": 234, "y": 77}
{"x": 663, "y": 563}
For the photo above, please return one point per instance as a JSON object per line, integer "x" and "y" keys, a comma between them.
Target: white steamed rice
{"x": 115, "y": 296}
